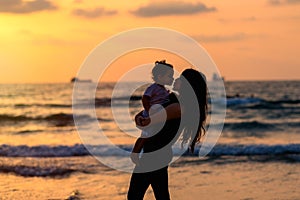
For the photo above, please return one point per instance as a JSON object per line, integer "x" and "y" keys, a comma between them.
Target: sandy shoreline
{"x": 188, "y": 180}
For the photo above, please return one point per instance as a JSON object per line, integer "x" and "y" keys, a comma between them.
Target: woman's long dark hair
{"x": 195, "y": 80}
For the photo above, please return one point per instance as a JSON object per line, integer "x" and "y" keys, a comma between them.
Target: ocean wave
{"x": 287, "y": 101}
{"x": 28, "y": 131}
{"x": 58, "y": 116}
{"x": 254, "y": 150}
{"x": 258, "y": 103}
{"x": 57, "y": 119}
{"x": 257, "y": 128}
{"x": 107, "y": 150}
{"x": 247, "y": 102}
{"x": 42, "y": 151}
{"x": 35, "y": 171}
{"x": 249, "y": 125}
{"x": 240, "y": 102}
{"x": 4, "y": 118}
{"x": 53, "y": 164}
{"x": 43, "y": 105}
{"x": 118, "y": 101}
{"x": 99, "y": 102}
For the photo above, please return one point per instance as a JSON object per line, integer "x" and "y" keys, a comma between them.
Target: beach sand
{"x": 189, "y": 179}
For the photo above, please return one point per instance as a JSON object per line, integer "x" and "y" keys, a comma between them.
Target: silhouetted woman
{"x": 185, "y": 119}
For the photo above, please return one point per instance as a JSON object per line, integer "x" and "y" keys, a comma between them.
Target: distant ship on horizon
{"x": 216, "y": 77}
{"x": 80, "y": 80}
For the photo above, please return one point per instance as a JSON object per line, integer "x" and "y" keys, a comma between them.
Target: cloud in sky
{"x": 172, "y": 8}
{"x": 21, "y": 7}
{"x": 245, "y": 19}
{"x": 222, "y": 38}
{"x": 93, "y": 13}
{"x": 283, "y": 2}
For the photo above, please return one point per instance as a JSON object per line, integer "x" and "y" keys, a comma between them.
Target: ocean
{"x": 39, "y": 143}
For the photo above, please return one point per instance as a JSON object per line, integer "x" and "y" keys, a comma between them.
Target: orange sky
{"x": 47, "y": 40}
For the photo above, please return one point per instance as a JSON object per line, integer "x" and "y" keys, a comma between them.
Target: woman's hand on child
{"x": 141, "y": 121}
{"x": 145, "y": 121}
{"x": 135, "y": 158}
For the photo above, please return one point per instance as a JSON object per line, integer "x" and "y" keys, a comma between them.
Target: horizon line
{"x": 226, "y": 80}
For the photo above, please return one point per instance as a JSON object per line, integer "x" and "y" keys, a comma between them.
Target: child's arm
{"x": 136, "y": 150}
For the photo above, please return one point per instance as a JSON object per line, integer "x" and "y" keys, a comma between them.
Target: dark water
{"x": 262, "y": 119}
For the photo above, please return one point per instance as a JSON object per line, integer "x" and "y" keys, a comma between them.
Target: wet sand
{"x": 188, "y": 179}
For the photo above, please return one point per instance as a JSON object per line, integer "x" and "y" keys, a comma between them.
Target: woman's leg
{"x": 160, "y": 184}
{"x": 138, "y": 186}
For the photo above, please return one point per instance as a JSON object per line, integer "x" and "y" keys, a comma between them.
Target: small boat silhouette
{"x": 79, "y": 80}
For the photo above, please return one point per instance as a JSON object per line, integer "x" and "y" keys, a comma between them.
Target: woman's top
{"x": 157, "y": 150}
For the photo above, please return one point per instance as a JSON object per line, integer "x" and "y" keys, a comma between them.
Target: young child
{"x": 156, "y": 93}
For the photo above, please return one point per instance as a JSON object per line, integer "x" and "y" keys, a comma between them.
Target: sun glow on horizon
{"x": 248, "y": 41}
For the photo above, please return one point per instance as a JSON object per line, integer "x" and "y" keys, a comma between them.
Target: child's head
{"x": 162, "y": 73}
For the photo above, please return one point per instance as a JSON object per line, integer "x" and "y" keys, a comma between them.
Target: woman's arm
{"x": 146, "y": 102}
{"x": 172, "y": 111}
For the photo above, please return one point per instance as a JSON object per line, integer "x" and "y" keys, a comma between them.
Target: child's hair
{"x": 160, "y": 68}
